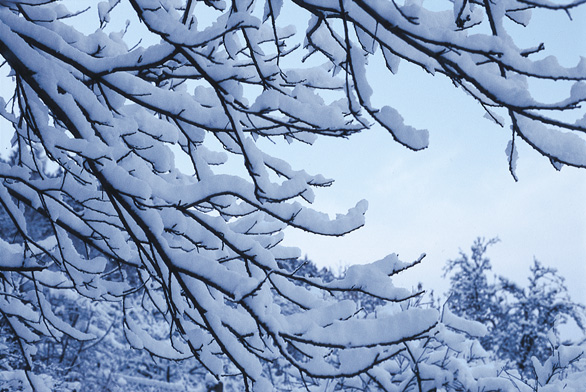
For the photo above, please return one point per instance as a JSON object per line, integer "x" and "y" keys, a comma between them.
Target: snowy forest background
{"x": 517, "y": 331}
{"x": 142, "y": 222}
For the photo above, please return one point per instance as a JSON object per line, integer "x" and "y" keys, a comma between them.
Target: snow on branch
{"x": 113, "y": 112}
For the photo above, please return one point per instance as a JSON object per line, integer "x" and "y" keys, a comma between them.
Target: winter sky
{"x": 439, "y": 200}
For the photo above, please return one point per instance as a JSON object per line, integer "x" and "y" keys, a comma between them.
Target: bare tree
{"x": 203, "y": 245}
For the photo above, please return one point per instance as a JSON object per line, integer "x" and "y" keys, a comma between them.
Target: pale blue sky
{"x": 439, "y": 200}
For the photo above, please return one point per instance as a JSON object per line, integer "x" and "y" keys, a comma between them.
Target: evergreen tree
{"x": 522, "y": 322}
{"x": 471, "y": 295}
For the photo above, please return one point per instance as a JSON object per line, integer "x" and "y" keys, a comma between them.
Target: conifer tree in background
{"x": 471, "y": 295}
{"x": 522, "y": 322}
